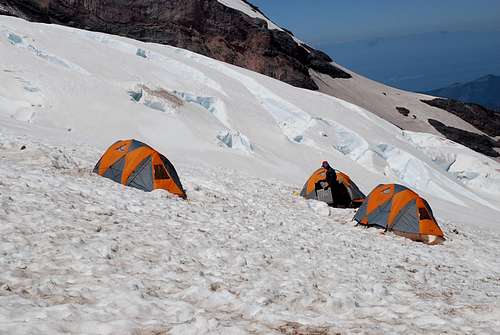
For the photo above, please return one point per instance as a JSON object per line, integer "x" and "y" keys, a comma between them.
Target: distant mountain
{"x": 420, "y": 62}
{"x": 484, "y": 91}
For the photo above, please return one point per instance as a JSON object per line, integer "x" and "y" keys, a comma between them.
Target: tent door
{"x": 325, "y": 195}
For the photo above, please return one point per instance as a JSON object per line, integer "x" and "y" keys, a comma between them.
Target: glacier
{"x": 81, "y": 254}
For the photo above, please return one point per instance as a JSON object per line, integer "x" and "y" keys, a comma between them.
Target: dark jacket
{"x": 331, "y": 177}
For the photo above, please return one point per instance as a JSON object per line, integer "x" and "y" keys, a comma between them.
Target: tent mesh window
{"x": 160, "y": 172}
{"x": 424, "y": 214}
{"x": 171, "y": 170}
{"x": 325, "y": 196}
{"x": 426, "y": 204}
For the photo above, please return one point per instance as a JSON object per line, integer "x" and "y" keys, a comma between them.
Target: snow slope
{"x": 380, "y": 99}
{"x": 244, "y": 7}
{"x": 82, "y": 254}
{"x": 383, "y": 100}
{"x": 197, "y": 109}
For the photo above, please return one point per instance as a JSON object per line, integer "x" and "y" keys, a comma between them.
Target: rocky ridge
{"x": 204, "y": 26}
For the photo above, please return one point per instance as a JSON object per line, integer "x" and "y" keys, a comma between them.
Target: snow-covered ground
{"x": 383, "y": 100}
{"x": 81, "y": 254}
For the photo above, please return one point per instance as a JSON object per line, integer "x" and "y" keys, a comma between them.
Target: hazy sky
{"x": 326, "y": 21}
{"x": 399, "y": 42}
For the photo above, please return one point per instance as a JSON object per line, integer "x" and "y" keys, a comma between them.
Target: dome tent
{"x": 402, "y": 211}
{"x": 133, "y": 163}
{"x": 350, "y": 195}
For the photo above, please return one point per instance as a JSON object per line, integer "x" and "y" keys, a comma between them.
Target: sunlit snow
{"x": 244, "y": 255}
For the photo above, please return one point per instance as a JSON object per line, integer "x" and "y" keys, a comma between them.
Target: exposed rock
{"x": 477, "y": 142}
{"x": 212, "y": 29}
{"x": 203, "y": 26}
{"x": 482, "y": 118}
{"x": 403, "y": 111}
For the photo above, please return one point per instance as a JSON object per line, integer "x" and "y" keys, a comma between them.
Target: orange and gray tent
{"x": 312, "y": 189}
{"x": 402, "y": 211}
{"x": 133, "y": 163}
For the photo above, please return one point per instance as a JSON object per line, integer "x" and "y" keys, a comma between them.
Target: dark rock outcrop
{"x": 477, "y": 142}
{"x": 203, "y": 26}
{"x": 482, "y": 118}
{"x": 403, "y": 111}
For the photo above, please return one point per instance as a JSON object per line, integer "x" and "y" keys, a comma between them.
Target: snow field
{"x": 81, "y": 254}
{"x": 180, "y": 102}
{"x": 19, "y": 42}
{"x": 469, "y": 167}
